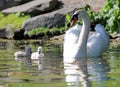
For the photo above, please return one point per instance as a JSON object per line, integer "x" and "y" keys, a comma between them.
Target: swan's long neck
{"x": 81, "y": 45}
{"x": 82, "y": 41}
{"x": 81, "y": 50}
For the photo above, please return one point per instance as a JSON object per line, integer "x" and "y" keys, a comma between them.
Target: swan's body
{"x": 38, "y": 54}
{"x": 98, "y": 42}
{"x": 25, "y": 53}
{"x": 77, "y": 44}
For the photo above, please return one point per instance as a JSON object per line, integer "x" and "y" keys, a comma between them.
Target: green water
{"x": 96, "y": 72}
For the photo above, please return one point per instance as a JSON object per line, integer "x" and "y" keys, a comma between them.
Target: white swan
{"x": 22, "y": 53}
{"x": 38, "y": 54}
{"x": 77, "y": 44}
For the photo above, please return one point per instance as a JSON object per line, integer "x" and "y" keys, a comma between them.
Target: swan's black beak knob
{"x": 74, "y": 19}
{"x": 74, "y": 16}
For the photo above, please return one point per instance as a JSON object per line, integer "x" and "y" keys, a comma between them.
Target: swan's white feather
{"x": 96, "y": 44}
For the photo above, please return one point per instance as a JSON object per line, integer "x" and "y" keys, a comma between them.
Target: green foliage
{"x": 1, "y": 16}
{"x": 41, "y": 31}
{"x": 67, "y": 20}
{"x": 111, "y": 13}
{"x": 68, "y": 17}
{"x": 37, "y": 31}
{"x": 15, "y": 19}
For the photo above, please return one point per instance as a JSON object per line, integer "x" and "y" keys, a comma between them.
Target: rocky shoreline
{"x": 44, "y": 13}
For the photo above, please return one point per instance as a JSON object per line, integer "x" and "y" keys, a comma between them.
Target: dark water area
{"x": 52, "y": 72}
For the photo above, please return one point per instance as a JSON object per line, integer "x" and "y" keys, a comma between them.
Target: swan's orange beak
{"x": 74, "y": 20}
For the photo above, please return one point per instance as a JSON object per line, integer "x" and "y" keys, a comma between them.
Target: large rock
{"x": 9, "y": 3}
{"x": 51, "y": 19}
{"x": 2, "y": 33}
{"x": 48, "y": 20}
{"x": 53, "y": 15}
{"x": 6, "y": 34}
{"x": 34, "y": 7}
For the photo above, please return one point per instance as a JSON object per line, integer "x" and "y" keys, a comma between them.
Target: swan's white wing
{"x": 100, "y": 28}
{"x": 95, "y": 44}
{"x": 98, "y": 42}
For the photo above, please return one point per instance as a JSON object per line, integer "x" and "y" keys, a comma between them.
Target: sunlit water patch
{"x": 52, "y": 72}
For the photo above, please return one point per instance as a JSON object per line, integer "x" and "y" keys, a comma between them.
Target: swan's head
{"x": 39, "y": 49}
{"x": 78, "y": 15}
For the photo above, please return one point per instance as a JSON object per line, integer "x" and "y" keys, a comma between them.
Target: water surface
{"x": 52, "y": 72}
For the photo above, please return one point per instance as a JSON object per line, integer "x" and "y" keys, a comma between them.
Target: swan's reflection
{"x": 76, "y": 74}
{"x": 38, "y": 63}
{"x": 86, "y": 71}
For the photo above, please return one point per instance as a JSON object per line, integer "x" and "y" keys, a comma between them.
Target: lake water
{"x": 52, "y": 72}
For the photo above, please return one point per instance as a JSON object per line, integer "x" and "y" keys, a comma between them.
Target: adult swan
{"x": 77, "y": 45}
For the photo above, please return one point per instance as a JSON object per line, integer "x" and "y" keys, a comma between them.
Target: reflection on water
{"x": 82, "y": 73}
{"x": 17, "y": 71}
{"x": 28, "y": 61}
{"x": 77, "y": 74}
{"x": 98, "y": 68}
{"x": 52, "y": 72}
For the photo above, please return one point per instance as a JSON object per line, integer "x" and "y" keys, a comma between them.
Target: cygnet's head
{"x": 28, "y": 50}
{"x": 40, "y": 49}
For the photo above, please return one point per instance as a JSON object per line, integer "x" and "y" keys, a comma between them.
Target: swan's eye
{"x": 74, "y": 16}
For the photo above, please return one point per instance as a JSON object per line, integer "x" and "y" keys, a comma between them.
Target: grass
{"x": 41, "y": 31}
{"x": 14, "y": 19}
